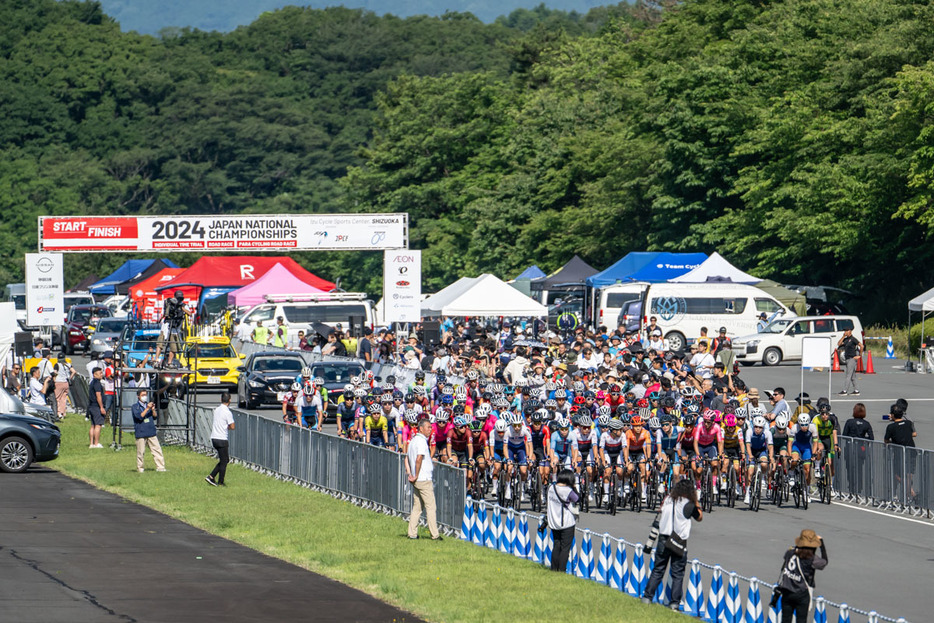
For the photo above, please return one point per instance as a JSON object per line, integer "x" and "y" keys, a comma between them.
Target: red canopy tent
{"x": 149, "y": 302}
{"x": 237, "y": 271}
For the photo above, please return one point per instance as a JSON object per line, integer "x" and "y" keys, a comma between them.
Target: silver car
{"x": 106, "y": 334}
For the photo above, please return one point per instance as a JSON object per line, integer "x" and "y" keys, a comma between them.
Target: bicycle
{"x": 824, "y": 480}
{"x": 515, "y": 483}
{"x": 755, "y": 490}
{"x": 501, "y": 486}
{"x": 476, "y": 481}
{"x": 799, "y": 490}
{"x": 597, "y": 485}
{"x": 612, "y": 501}
{"x": 779, "y": 482}
{"x": 635, "y": 488}
{"x": 707, "y": 487}
{"x": 535, "y": 487}
{"x": 585, "y": 489}
{"x": 652, "y": 479}
{"x": 731, "y": 483}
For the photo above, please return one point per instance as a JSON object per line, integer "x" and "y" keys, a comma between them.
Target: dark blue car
{"x": 25, "y": 440}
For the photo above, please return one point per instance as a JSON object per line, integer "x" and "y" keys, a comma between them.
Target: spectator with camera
{"x": 144, "y": 427}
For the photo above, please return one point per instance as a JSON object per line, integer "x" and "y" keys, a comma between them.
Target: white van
{"x": 781, "y": 340}
{"x": 16, "y": 294}
{"x": 682, "y": 309}
{"x": 612, "y": 299}
{"x": 303, "y": 311}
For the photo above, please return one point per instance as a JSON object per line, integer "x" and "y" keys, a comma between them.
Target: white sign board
{"x": 45, "y": 290}
{"x": 237, "y": 233}
{"x": 402, "y": 286}
{"x": 816, "y": 352}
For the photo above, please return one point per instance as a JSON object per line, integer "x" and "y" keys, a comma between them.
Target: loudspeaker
{"x": 356, "y": 326}
{"x": 431, "y": 333}
{"x": 22, "y": 344}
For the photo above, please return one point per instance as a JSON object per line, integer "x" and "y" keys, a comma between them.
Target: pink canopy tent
{"x": 277, "y": 280}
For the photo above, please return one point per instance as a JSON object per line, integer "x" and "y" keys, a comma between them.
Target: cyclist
{"x": 827, "y": 426}
{"x": 734, "y": 449}
{"x": 519, "y": 445}
{"x": 408, "y": 429}
{"x": 496, "y": 442}
{"x": 585, "y": 441}
{"x": 639, "y": 443}
{"x": 392, "y": 415}
{"x": 780, "y": 441}
{"x": 376, "y": 425}
{"x": 562, "y": 407}
{"x": 708, "y": 442}
{"x": 802, "y": 444}
{"x": 478, "y": 451}
{"x": 563, "y": 449}
{"x": 666, "y": 447}
{"x": 439, "y": 434}
{"x": 436, "y": 391}
{"x": 347, "y": 417}
{"x": 541, "y": 441}
{"x": 421, "y": 398}
{"x": 458, "y": 439}
{"x": 291, "y": 409}
{"x": 613, "y": 453}
{"x": 758, "y": 449}
{"x": 418, "y": 382}
{"x": 310, "y": 403}
{"x": 685, "y": 446}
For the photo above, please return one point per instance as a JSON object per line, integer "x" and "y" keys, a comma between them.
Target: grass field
{"x": 447, "y": 581}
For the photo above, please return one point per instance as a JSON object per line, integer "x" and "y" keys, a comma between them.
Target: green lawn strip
{"x": 448, "y": 581}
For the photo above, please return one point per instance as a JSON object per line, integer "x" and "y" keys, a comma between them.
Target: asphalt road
{"x": 878, "y": 561}
{"x": 72, "y": 553}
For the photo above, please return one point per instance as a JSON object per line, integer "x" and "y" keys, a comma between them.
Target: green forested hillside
{"x": 794, "y": 137}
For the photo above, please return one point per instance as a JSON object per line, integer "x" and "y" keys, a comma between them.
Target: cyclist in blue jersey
{"x": 758, "y": 448}
{"x": 347, "y": 417}
{"x": 541, "y": 442}
{"x": 802, "y": 444}
{"x": 497, "y": 444}
{"x": 666, "y": 446}
{"x": 563, "y": 448}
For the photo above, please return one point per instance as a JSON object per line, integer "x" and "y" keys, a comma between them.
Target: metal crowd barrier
{"x": 80, "y": 393}
{"x": 626, "y": 567}
{"x": 886, "y": 476}
{"x": 368, "y": 475}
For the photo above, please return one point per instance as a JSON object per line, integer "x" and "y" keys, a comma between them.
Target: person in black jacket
{"x": 144, "y": 427}
{"x": 796, "y": 580}
{"x": 858, "y": 458}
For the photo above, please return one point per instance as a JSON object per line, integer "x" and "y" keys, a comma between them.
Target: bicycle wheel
{"x": 597, "y": 487}
{"x": 731, "y": 486}
{"x": 536, "y": 491}
{"x": 827, "y": 489}
{"x": 805, "y": 491}
{"x": 707, "y": 487}
{"x": 516, "y": 501}
{"x": 797, "y": 487}
{"x": 755, "y": 494}
{"x": 501, "y": 487}
{"x": 585, "y": 491}
{"x": 614, "y": 486}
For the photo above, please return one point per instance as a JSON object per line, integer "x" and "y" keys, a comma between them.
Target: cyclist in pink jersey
{"x": 708, "y": 444}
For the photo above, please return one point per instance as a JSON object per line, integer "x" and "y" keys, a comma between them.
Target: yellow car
{"x": 214, "y": 360}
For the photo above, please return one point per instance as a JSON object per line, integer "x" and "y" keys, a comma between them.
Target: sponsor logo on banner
{"x": 224, "y": 233}
{"x": 404, "y": 292}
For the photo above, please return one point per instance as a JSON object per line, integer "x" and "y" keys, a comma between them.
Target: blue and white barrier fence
{"x": 626, "y": 567}
{"x": 889, "y": 347}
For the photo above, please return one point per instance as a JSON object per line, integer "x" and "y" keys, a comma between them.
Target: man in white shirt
{"x": 418, "y": 469}
{"x": 588, "y": 359}
{"x": 515, "y": 369}
{"x": 221, "y": 426}
{"x": 37, "y": 388}
{"x": 703, "y": 362}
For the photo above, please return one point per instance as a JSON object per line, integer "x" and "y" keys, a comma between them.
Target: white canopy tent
{"x": 485, "y": 295}
{"x": 715, "y": 268}
{"x": 923, "y": 303}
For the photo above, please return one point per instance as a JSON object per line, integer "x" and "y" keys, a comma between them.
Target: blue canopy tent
{"x": 532, "y": 272}
{"x": 620, "y": 271}
{"x": 667, "y": 266}
{"x": 130, "y": 270}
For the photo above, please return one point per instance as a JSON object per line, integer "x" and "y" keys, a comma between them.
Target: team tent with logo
{"x": 646, "y": 266}
{"x": 277, "y": 280}
{"x": 131, "y": 269}
{"x": 483, "y": 296}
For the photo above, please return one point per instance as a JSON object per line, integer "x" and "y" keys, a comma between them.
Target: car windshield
{"x": 285, "y": 364}
{"x": 111, "y": 325}
{"x": 144, "y": 342}
{"x": 202, "y": 351}
{"x": 83, "y": 315}
{"x": 776, "y": 326}
{"x": 336, "y": 374}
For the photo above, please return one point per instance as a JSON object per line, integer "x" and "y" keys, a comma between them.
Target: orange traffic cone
{"x": 836, "y": 362}
{"x": 859, "y": 363}
{"x": 869, "y": 368}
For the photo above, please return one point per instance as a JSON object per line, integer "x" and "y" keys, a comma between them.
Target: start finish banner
{"x": 254, "y": 233}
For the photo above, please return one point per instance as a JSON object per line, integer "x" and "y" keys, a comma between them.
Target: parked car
{"x": 79, "y": 325}
{"x": 107, "y": 332}
{"x": 781, "y": 340}
{"x": 136, "y": 343}
{"x": 215, "y": 361}
{"x": 265, "y": 378}
{"x": 25, "y": 440}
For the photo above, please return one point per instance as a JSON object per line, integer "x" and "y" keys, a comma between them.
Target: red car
{"x": 79, "y": 325}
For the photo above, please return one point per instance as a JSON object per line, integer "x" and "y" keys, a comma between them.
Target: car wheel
{"x": 772, "y": 357}
{"x": 747, "y": 363}
{"x": 15, "y": 455}
{"x": 676, "y": 341}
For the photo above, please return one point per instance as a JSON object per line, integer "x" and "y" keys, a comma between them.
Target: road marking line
{"x": 892, "y": 515}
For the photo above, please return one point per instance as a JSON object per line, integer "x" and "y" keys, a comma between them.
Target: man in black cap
{"x": 365, "y": 346}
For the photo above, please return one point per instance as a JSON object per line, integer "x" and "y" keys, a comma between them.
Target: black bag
{"x": 677, "y": 546}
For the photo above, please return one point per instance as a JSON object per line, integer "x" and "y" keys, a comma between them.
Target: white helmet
{"x": 804, "y": 420}
{"x": 755, "y": 411}
{"x": 501, "y": 425}
{"x": 758, "y": 421}
{"x": 296, "y": 387}
{"x": 306, "y": 371}
{"x": 781, "y": 421}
